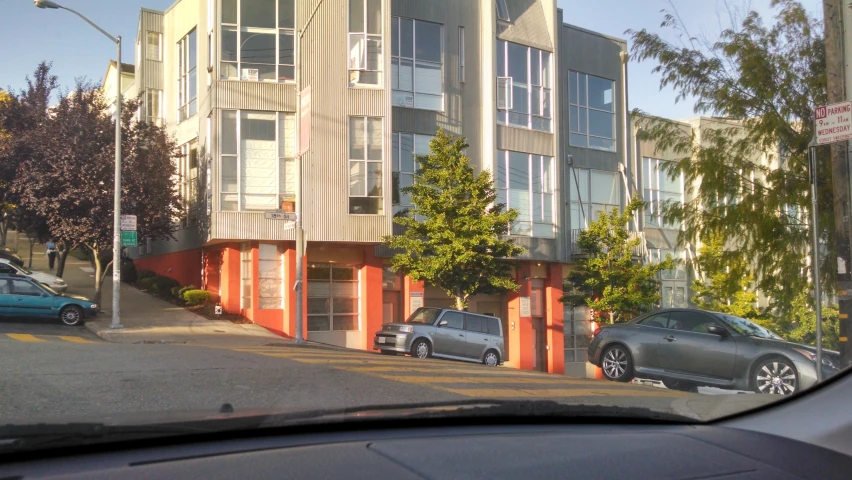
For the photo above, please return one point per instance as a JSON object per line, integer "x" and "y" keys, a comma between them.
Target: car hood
{"x": 45, "y": 277}
{"x": 395, "y": 327}
{"x": 75, "y": 297}
{"x": 786, "y": 344}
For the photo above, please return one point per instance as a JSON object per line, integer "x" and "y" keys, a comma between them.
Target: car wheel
{"x": 617, "y": 364}
{"x": 775, "y": 376}
{"x": 421, "y": 349}
{"x": 71, "y": 315}
{"x": 491, "y": 358}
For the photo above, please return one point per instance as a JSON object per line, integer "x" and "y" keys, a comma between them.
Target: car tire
{"x": 776, "y": 375}
{"x": 491, "y": 359}
{"x": 421, "y": 348}
{"x": 72, "y": 315}
{"x": 617, "y": 364}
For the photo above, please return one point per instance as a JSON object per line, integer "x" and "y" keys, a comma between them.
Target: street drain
{"x": 219, "y": 331}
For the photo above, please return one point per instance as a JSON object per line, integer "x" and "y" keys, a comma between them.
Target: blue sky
{"x": 31, "y": 35}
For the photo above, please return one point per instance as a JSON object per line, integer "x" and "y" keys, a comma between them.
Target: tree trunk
{"x": 98, "y": 274}
{"x": 60, "y": 258}
{"x": 17, "y": 240}
{"x": 32, "y": 244}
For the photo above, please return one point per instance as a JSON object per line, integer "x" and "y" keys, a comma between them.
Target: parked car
{"x": 8, "y": 254}
{"x": 444, "y": 333}
{"x": 22, "y": 296}
{"x": 51, "y": 281}
{"x": 687, "y": 348}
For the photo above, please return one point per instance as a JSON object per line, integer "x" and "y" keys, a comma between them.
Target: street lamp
{"x": 116, "y": 224}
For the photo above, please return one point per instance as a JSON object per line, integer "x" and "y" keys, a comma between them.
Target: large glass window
{"x": 591, "y": 111}
{"x": 332, "y": 297}
{"x": 153, "y": 104}
{"x": 660, "y": 190}
{"x": 577, "y": 332}
{"x": 257, "y": 161}
{"x": 365, "y": 166}
{"x": 657, "y": 255}
{"x": 365, "y": 42}
{"x": 154, "y": 46}
{"x": 525, "y": 183}
{"x": 245, "y": 276}
{"x": 188, "y": 170}
{"x": 502, "y": 10}
{"x": 416, "y": 64}
{"x": 187, "y": 76}
{"x": 592, "y": 192}
{"x": 270, "y": 276}
{"x": 407, "y": 147}
{"x": 524, "y": 87}
{"x": 257, "y": 40}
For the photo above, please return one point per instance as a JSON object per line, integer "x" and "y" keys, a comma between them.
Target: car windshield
{"x": 24, "y": 270}
{"x": 747, "y": 327}
{"x": 424, "y": 315}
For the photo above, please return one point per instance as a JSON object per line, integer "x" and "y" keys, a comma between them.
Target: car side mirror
{"x": 443, "y": 323}
{"x": 717, "y": 330}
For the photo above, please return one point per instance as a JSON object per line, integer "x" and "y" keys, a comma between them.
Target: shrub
{"x": 145, "y": 274}
{"x": 128, "y": 271}
{"x": 165, "y": 284}
{"x": 185, "y": 289}
{"x": 148, "y": 283}
{"x": 197, "y": 297}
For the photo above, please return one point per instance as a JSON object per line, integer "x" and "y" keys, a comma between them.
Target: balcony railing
{"x": 639, "y": 251}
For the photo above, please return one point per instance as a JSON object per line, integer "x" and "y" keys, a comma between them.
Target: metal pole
{"x": 116, "y": 221}
{"x": 300, "y": 237}
{"x": 815, "y": 256}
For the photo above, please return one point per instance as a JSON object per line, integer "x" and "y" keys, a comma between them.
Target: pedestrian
{"x": 51, "y": 254}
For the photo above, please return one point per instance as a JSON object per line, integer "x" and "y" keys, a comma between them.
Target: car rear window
{"x": 473, "y": 323}
{"x": 494, "y": 326}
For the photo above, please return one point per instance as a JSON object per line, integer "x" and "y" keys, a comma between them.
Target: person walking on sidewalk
{"x": 51, "y": 254}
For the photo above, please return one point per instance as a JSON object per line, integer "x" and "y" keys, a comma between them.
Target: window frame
{"x": 573, "y": 128}
{"x": 503, "y": 187}
{"x": 543, "y": 91}
{"x": 652, "y": 172}
{"x": 240, "y": 30}
{"x": 367, "y": 163}
{"x": 503, "y": 16}
{"x": 399, "y": 58}
{"x": 187, "y": 107}
{"x": 159, "y": 47}
{"x": 396, "y": 168}
{"x": 279, "y": 262}
{"x": 461, "y": 53}
{"x": 356, "y": 70}
{"x": 586, "y": 206}
{"x": 331, "y": 297}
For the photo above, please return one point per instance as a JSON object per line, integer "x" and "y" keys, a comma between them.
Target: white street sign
{"x": 289, "y": 216}
{"x": 128, "y": 223}
{"x": 833, "y": 123}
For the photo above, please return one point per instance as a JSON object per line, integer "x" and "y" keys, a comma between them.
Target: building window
{"x": 258, "y": 170}
{"x": 258, "y": 40}
{"x": 187, "y": 76}
{"x": 406, "y": 148}
{"x": 525, "y": 183}
{"x": 270, "y": 276}
{"x": 524, "y": 87}
{"x": 660, "y": 190}
{"x": 461, "y": 55}
{"x": 189, "y": 182}
{"x": 417, "y": 64}
{"x": 592, "y": 192}
{"x": 154, "y": 46}
{"x": 577, "y": 333}
{"x": 657, "y": 255}
{"x": 591, "y": 111}
{"x": 365, "y": 166}
{"x": 365, "y": 42}
{"x": 153, "y": 103}
{"x": 245, "y": 276}
{"x": 502, "y": 11}
{"x": 332, "y": 297}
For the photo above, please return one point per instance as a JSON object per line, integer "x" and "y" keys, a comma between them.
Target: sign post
{"x": 833, "y": 123}
{"x": 128, "y": 231}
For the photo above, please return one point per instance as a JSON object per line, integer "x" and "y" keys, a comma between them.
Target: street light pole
{"x": 116, "y": 225}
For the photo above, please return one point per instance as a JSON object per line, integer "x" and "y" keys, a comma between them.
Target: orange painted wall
{"x": 521, "y": 336}
{"x": 371, "y": 297}
{"x": 184, "y": 266}
{"x": 229, "y": 284}
{"x": 554, "y": 319}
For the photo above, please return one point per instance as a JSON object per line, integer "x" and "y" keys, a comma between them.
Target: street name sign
{"x": 289, "y": 216}
{"x": 128, "y": 222}
{"x": 833, "y": 123}
{"x": 128, "y": 239}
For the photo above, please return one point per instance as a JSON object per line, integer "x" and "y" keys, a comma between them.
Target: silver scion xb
{"x": 444, "y": 333}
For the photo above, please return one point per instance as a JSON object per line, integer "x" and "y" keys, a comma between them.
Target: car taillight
{"x": 596, "y": 332}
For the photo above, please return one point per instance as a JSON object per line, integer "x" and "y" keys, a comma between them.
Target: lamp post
{"x": 116, "y": 224}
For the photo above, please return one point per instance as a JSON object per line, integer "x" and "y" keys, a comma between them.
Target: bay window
{"x": 591, "y": 111}
{"x": 365, "y": 166}
{"x": 524, "y": 87}
{"x": 406, "y": 148}
{"x": 417, "y": 64}
{"x": 525, "y": 183}
{"x": 592, "y": 192}
{"x": 187, "y": 76}
{"x": 257, "y": 163}
{"x": 257, "y": 40}
{"x": 660, "y": 190}
{"x": 365, "y": 42}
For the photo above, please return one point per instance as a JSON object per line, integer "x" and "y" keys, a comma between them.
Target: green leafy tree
{"x": 454, "y": 236}
{"x": 748, "y": 174}
{"x": 609, "y": 280}
{"x": 801, "y": 323}
{"x": 727, "y": 285}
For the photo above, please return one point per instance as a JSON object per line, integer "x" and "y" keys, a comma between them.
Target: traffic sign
{"x": 289, "y": 216}
{"x": 833, "y": 123}
{"x": 128, "y": 222}
{"x": 128, "y": 239}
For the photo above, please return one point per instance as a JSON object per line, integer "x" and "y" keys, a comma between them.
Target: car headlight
{"x": 94, "y": 305}
{"x": 59, "y": 282}
{"x": 406, "y": 329}
{"x": 812, "y": 357}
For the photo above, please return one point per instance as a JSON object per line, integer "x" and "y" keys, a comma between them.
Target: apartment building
{"x": 384, "y": 76}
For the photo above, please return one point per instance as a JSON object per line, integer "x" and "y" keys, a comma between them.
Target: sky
{"x": 31, "y": 35}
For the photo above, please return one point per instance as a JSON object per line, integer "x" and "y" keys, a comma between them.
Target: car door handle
{"x": 671, "y": 338}
{"x": 461, "y": 334}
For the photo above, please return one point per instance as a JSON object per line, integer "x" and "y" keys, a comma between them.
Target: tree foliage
{"x": 454, "y": 236}
{"x": 609, "y": 280}
{"x": 748, "y": 174}
{"x": 724, "y": 282}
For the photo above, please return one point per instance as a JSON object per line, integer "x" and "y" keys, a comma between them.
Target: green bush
{"x": 128, "y": 271}
{"x": 176, "y": 291}
{"x": 148, "y": 283}
{"x": 197, "y": 297}
{"x": 185, "y": 289}
{"x": 145, "y": 274}
{"x": 165, "y": 284}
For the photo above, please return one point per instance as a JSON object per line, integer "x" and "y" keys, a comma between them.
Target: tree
{"x": 454, "y": 237}
{"x": 69, "y": 177}
{"x": 801, "y": 324}
{"x": 608, "y": 279}
{"x": 766, "y": 79}
{"x": 726, "y": 284}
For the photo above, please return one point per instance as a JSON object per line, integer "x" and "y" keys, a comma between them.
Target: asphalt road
{"x": 48, "y": 371}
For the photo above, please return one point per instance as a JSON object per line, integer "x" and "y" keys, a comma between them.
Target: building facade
{"x": 541, "y": 103}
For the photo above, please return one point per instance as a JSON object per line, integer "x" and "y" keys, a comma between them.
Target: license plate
{"x": 381, "y": 340}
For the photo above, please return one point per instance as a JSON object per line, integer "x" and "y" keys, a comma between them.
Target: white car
{"x": 51, "y": 281}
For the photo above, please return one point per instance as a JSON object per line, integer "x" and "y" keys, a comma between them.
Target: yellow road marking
{"x": 24, "y": 337}
{"x": 74, "y": 339}
{"x": 558, "y": 392}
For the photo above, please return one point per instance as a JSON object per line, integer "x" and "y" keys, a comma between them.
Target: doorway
{"x": 539, "y": 334}
{"x": 390, "y": 307}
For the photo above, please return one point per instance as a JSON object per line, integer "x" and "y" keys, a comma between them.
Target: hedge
{"x": 197, "y": 297}
{"x": 158, "y": 284}
{"x": 142, "y": 274}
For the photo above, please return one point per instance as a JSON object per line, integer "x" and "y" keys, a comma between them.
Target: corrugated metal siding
{"x": 153, "y": 74}
{"x": 537, "y": 248}
{"x": 528, "y": 141}
{"x": 254, "y": 95}
{"x": 248, "y": 226}
{"x": 528, "y": 25}
{"x": 426, "y": 122}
